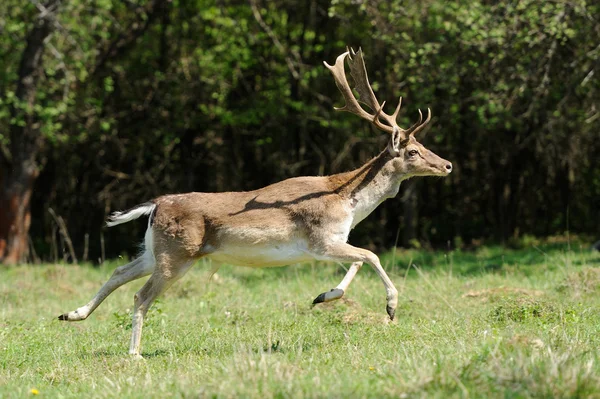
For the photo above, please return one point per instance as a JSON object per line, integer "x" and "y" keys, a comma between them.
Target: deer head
{"x": 411, "y": 158}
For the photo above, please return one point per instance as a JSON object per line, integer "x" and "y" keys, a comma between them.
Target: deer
{"x": 292, "y": 221}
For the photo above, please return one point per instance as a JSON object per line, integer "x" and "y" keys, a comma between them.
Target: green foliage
{"x": 138, "y": 99}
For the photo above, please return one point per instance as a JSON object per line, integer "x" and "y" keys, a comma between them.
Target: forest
{"x": 107, "y": 104}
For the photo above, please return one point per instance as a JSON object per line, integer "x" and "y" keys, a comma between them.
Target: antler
{"x": 366, "y": 95}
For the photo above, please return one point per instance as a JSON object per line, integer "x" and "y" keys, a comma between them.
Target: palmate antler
{"x": 367, "y": 97}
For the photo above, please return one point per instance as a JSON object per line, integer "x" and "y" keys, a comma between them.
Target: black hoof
{"x": 331, "y": 295}
{"x": 319, "y": 299}
{"x": 391, "y": 312}
{"x": 63, "y": 316}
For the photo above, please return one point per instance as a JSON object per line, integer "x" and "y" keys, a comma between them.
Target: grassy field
{"x": 488, "y": 323}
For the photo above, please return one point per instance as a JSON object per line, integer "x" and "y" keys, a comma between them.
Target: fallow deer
{"x": 295, "y": 220}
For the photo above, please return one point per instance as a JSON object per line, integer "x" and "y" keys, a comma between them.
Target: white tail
{"x": 127, "y": 216}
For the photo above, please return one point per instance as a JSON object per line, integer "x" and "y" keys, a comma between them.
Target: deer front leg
{"x": 339, "y": 291}
{"x": 343, "y": 252}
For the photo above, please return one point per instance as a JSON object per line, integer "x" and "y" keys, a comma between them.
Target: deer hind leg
{"x": 338, "y": 292}
{"x": 167, "y": 271}
{"x": 138, "y": 268}
{"x": 342, "y": 252}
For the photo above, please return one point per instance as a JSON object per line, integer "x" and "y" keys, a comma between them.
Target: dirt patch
{"x": 351, "y": 303}
{"x": 352, "y": 317}
{"x": 348, "y": 311}
{"x": 55, "y": 273}
{"x": 519, "y": 340}
{"x": 486, "y": 294}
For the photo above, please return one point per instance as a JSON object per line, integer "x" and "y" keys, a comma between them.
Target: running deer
{"x": 296, "y": 220}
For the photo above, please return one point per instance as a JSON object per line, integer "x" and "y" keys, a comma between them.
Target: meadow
{"x": 490, "y": 322}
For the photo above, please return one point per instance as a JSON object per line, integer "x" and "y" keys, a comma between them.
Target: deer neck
{"x": 368, "y": 186}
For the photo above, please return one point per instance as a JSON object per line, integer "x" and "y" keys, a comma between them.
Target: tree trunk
{"x": 20, "y": 170}
{"x": 15, "y": 215}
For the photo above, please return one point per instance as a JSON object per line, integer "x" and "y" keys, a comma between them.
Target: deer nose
{"x": 449, "y": 167}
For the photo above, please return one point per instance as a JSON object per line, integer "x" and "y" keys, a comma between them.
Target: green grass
{"x": 488, "y": 323}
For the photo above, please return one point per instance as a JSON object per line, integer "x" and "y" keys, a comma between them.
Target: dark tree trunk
{"x": 20, "y": 170}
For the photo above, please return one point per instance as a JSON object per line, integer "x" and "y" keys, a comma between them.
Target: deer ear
{"x": 396, "y": 142}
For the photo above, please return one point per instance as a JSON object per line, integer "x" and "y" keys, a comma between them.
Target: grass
{"x": 488, "y": 323}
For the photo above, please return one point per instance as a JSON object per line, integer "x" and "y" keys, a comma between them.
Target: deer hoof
{"x": 391, "y": 312}
{"x": 329, "y": 296}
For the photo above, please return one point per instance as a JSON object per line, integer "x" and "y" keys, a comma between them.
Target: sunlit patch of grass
{"x": 523, "y": 309}
{"x": 582, "y": 282}
{"x": 488, "y": 323}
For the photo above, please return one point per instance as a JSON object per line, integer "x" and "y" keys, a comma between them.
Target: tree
{"x": 20, "y": 166}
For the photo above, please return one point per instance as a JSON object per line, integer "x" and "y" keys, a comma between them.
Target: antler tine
{"x": 415, "y": 125}
{"x": 339, "y": 75}
{"x": 420, "y": 126}
{"x": 397, "y": 111}
{"x": 379, "y": 111}
{"x": 358, "y": 71}
{"x": 352, "y": 105}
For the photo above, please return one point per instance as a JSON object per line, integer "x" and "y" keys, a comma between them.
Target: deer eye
{"x": 412, "y": 153}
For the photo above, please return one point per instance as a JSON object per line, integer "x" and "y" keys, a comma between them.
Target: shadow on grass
{"x": 580, "y": 262}
{"x": 156, "y": 353}
{"x": 483, "y": 260}
{"x": 104, "y": 353}
{"x": 490, "y": 260}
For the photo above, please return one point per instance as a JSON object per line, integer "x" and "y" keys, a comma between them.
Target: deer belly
{"x": 261, "y": 255}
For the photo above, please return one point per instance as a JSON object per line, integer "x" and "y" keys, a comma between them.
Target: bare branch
{"x": 62, "y": 227}
{"x": 293, "y": 69}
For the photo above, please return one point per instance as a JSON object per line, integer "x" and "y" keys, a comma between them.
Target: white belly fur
{"x": 260, "y": 255}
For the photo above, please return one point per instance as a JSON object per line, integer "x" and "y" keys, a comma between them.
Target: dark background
{"x": 106, "y": 104}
